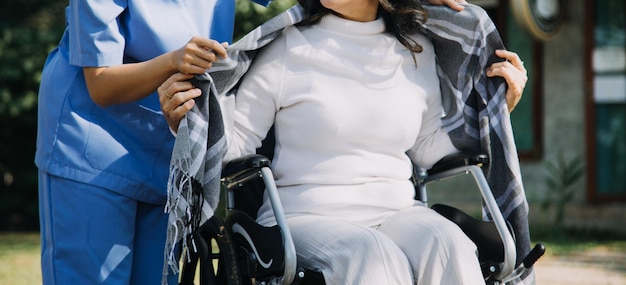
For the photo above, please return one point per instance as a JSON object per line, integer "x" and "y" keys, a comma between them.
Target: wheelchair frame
{"x": 471, "y": 164}
{"x": 246, "y": 169}
{"x": 265, "y": 173}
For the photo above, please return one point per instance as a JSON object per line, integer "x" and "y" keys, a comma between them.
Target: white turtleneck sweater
{"x": 351, "y": 110}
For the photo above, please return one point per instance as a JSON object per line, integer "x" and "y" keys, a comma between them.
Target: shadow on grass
{"x": 568, "y": 239}
{"x": 584, "y": 247}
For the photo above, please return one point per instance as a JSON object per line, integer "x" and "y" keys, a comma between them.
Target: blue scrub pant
{"x": 90, "y": 235}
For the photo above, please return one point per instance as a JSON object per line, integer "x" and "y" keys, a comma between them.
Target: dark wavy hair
{"x": 402, "y": 18}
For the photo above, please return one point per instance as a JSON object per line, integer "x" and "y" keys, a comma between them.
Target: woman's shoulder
{"x": 424, "y": 41}
{"x": 274, "y": 50}
{"x": 290, "y": 40}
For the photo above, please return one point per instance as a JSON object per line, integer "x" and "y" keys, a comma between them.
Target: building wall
{"x": 563, "y": 101}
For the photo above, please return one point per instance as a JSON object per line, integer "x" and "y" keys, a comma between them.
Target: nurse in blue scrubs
{"x": 103, "y": 146}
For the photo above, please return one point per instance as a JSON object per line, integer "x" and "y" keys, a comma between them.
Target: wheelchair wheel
{"x": 215, "y": 261}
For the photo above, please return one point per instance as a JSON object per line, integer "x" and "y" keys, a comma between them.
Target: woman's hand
{"x": 454, "y": 4}
{"x": 176, "y": 95}
{"x": 513, "y": 71}
{"x": 198, "y": 55}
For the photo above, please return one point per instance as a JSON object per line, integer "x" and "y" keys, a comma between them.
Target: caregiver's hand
{"x": 197, "y": 55}
{"x": 513, "y": 71}
{"x": 454, "y": 4}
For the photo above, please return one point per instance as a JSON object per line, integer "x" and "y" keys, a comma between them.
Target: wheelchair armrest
{"x": 243, "y": 169}
{"x": 471, "y": 163}
{"x": 237, "y": 166}
{"x": 459, "y": 160}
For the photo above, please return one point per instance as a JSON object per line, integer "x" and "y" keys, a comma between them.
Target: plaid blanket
{"x": 476, "y": 118}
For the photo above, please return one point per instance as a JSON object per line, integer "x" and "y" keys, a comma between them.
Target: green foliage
{"x": 29, "y": 29}
{"x": 560, "y": 177}
{"x": 249, "y": 15}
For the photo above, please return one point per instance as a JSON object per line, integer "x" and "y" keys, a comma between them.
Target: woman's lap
{"x": 347, "y": 253}
{"x": 415, "y": 242}
{"x": 438, "y": 250}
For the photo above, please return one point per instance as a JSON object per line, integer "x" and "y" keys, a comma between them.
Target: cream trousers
{"x": 413, "y": 246}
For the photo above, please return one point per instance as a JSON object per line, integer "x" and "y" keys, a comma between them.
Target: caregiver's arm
{"x": 133, "y": 81}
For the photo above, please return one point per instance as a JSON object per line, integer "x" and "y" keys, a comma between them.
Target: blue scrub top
{"x": 125, "y": 148}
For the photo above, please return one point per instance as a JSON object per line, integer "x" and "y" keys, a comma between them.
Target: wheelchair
{"x": 237, "y": 250}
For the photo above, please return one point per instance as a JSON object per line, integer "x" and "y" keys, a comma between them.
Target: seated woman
{"x": 353, "y": 94}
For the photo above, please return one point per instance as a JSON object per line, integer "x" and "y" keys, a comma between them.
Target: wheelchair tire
{"x": 216, "y": 266}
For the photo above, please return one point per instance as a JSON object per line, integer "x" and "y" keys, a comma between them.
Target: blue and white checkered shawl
{"x": 476, "y": 118}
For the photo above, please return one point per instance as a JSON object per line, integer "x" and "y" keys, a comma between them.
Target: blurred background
{"x": 570, "y": 127}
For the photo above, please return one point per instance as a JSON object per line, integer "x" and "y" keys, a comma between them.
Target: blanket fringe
{"x": 184, "y": 206}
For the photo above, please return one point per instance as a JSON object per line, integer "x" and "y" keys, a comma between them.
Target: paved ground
{"x": 596, "y": 266}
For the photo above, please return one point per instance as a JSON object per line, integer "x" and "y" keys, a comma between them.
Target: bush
{"x": 29, "y": 30}
{"x": 249, "y": 15}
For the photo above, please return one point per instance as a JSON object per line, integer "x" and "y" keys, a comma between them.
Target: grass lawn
{"x": 19, "y": 259}
{"x": 568, "y": 241}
